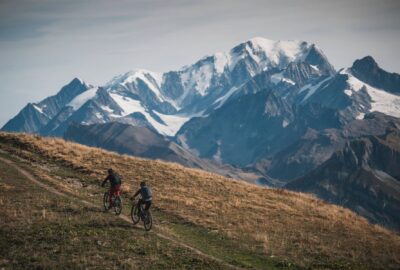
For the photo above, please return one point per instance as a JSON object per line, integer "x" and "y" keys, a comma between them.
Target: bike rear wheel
{"x": 117, "y": 205}
{"x": 135, "y": 214}
{"x": 106, "y": 201}
{"x": 147, "y": 221}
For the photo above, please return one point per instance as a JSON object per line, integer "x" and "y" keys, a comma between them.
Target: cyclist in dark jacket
{"x": 115, "y": 184}
{"x": 146, "y": 196}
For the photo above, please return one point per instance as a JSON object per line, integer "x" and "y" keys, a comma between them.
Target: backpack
{"x": 146, "y": 193}
{"x": 115, "y": 180}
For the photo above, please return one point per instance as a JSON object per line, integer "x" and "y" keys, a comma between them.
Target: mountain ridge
{"x": 196, "y": 86}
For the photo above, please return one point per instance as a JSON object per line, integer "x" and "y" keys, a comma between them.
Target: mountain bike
{"x": 116, "y": 202}
{"x": 139, "y": 213}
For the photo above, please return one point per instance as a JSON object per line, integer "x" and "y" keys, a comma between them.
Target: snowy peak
{"x": 145, "y": 86}
{"x": 365, "y": 63}
{"x": 317, "y": 58}
{"x": 134, "y": 76}
{"x": 29, "y": 119}
{"x": 197, "y": 78}
{"x": 78, "y": 81}
{"x": 34, "y": 116}
{"x": 132, "y": 80}
{"x": 270, "y": 53}
{"x": 70, "y": 91}
{"x": 367, "y": 70}
{"x": 213, "y": 77}
{"x": 262, "y": 52}
{"x": 380, "y": 100}
{"x": 352, "y": 97}
{"x": 278, "y": 51}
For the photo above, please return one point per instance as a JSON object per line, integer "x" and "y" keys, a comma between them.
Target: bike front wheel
{"x": 106, "y": 202}
{"x": 148, "y": 221}
{"x": 118, "y": 205}
{"x": 135, "y": 214}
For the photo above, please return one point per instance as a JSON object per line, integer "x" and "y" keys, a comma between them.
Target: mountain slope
{"x": 29, "y": 119}
{"x": 363, "y": 176}
{"x": 259, "y": 119}
{"x": 124, "y": 139}
{"x": 367, "y": 70}
{"x": 315, "y": 147}
{"x": 75, "y": 230}
{"x": 35, "y": 116}
{"x": 146, "y": 143}
{"x": 314, "y": 235}
{"x": 330, "y": 102}
{"x": 353, "y": 97}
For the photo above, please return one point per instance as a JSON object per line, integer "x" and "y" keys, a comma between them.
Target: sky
{"x": 44, "y": 44}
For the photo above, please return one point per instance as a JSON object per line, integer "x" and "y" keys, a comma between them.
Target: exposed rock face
{"x": 166, "y": 101}
{"x": 147, "y": 143}
{"x": 367, "y": 70}
{"x": 318, "y": 144}
{"x": 364, "y": 176}
{"x": 34, "y": 116}
{"x": 235, "y": 132}
{"x": 29, "y": 119}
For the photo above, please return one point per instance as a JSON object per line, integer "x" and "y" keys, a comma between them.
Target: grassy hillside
{"x": 40, "y": 230}
{"x": 242, "y": 224}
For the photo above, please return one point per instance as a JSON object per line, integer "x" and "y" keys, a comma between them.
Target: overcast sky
{"x": 44, "y": 44}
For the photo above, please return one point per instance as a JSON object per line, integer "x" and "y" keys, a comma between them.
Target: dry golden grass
{"x": 288, "y": 225}
{"x": 42, "y": 230}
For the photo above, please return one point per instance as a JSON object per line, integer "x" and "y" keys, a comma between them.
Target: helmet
{"x": 110, "y": 170}
{"x": 142, "y": 184}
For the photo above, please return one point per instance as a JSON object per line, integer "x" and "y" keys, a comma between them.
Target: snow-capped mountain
{"x": 164, "y": 102}
{"x": 35, "y": 116}
{"x": 353, "y": 95}
{"x": 215, "y": 79}
{"x": 329, "y": 101}
{"x": 259, "y": 83}
{"x": 295, "y": 71}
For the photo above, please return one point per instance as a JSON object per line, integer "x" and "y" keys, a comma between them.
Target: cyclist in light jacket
{"x": 146, "y": 196}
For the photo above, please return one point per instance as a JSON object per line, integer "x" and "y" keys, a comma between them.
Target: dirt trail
{"x": 30, "y": 177}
